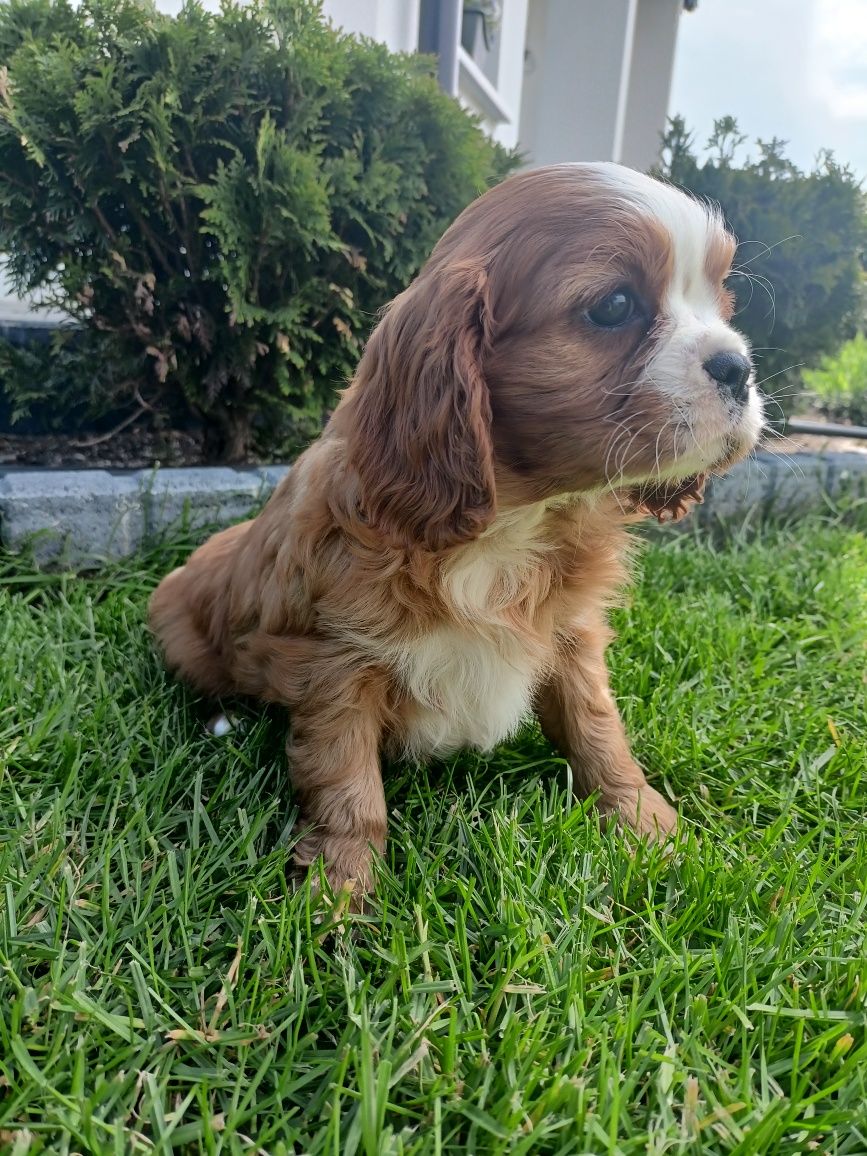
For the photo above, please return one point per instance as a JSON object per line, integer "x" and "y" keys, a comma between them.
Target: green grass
{"x": 522, "y": 984}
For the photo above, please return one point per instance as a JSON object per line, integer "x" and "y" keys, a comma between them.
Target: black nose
{"x": 731, "y": 371}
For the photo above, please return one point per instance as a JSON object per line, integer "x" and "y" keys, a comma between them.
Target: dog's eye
{"x": 613, "y": 310}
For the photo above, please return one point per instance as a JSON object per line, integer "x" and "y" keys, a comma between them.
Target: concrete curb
{"x": 91, "y": 515}
{"x": 85, "y": 516}
{"x": 774, "y": 485}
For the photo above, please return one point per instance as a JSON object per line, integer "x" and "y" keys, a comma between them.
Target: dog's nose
{"x": 731, "y": 372}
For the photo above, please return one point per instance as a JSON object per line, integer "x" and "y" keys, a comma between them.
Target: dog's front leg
{"x": 335, "y": 771}
{"x": 578, "y": 715}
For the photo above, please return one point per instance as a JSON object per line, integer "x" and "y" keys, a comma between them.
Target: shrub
{"x": 224, "y": 200}
{"x": 800, "y": 265}
{"x": 838, "y": 388}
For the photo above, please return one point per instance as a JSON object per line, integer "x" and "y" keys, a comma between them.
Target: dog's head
{"x": 570, "y": 333}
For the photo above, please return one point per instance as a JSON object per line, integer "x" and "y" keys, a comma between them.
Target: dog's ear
{"x": 419, "y": 437}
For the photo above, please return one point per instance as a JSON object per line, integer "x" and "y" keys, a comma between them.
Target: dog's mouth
{"x": 669, "y": 501}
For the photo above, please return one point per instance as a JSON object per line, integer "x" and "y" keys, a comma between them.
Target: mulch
{"x": 136, "y": 448}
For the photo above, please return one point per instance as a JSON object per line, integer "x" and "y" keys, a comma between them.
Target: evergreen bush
{"x": 223, "y": 200}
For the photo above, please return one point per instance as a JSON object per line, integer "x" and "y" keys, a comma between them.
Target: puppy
{"x": 436, "y": 567}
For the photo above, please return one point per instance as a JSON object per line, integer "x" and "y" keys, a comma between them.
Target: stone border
{"x": 87, "y": 516}
{"x": 785, "y": 486}
{"x": 777, "y": 485}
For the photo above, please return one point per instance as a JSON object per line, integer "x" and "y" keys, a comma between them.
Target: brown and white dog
{"x": 436, "y": 567}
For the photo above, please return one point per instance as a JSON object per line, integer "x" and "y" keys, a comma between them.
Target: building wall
{"x": 394, "y": 22}
{"x": 574, "y": 68}
{"x": 494, "y": 93}
{"x": 597, "y": 79}
{"x": 572, "y": 79}
{"x": 650, "y": 76}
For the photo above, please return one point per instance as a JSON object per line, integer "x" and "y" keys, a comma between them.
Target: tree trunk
{"x": 228, "y": 437}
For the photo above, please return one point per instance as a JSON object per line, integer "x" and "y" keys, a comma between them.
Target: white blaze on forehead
{"x": 692, "y": 227}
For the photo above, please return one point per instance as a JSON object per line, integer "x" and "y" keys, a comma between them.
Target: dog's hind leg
{"x": 187, "y": 615}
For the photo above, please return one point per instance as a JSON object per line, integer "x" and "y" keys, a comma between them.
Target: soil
{"x": 131, "y": 449}
{"x": 140, "y": 447}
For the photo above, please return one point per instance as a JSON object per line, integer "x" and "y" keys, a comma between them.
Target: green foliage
{"x": 65, "y": 380}
{"x": 800, "y": 265}
{"x": 839, "y": 386}
{"x": 224, "y": 200}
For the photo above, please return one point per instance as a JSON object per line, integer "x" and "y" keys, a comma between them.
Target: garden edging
{"x": 90, "y": 515}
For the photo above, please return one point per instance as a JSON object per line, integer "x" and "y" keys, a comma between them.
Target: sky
{"x": 795, "y": 69}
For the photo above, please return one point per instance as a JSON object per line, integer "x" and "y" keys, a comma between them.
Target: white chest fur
{"x": 471, "y": 681}
{"x": 466, "y": 690}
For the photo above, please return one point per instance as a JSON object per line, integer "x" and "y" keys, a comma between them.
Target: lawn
{"x": 522, "y": 983}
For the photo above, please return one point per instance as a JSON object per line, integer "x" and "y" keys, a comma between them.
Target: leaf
{"x": 483, "y": 1120}
{"x": 824, "y": 758}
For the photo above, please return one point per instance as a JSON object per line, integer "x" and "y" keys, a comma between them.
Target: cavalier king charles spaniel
{"x": 436, "y": 567}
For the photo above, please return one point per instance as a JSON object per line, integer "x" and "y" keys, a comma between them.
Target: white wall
{"x": 573, "y": 79}
{"x": 394, "y": 22}
{"x": 173, "y": 7}
{"x": 597, "y": 79}
{"x": 650, "y": 76}
{"x": 510, "y": 74}
{"x": 495, "y": 99}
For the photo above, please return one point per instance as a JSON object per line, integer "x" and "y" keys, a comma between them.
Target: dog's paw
{"x": 646, "y": 813}
{"x": 347, "y": 865}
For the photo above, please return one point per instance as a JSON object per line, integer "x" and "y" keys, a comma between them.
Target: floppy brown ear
{"x": 420, "y": 417}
